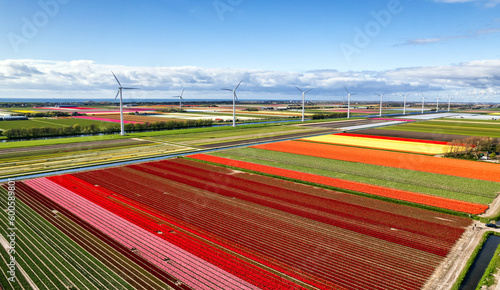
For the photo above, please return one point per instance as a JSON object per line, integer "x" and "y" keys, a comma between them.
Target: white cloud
{"x": 485, "y": 3}
{"x": 86, "y": 79}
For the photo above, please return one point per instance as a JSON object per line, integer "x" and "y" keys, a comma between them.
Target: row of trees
{"x": 318, "y": 116}
{"x": 108, "y": 128}
{"x": 168, "y": 125}
{"x": 473, "y": 147}
{"x": 49, "y": 114}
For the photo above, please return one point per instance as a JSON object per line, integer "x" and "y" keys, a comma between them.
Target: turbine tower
{"x": 303, "y": 101}
{"x": 348, "y": 103}
{"x": 381, "y": 96}
{"x": 180, "y": 99}
{"x": 449, "y": 102}
{"x": 120, "y": 88}
{"x": 235, "y": 97}
{"x": 437, "y": 103}
{"x": 404, "y": 104}
{"x": 422, "y": 102}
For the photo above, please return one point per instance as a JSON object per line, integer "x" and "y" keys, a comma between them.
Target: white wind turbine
{"x": 303, "y": 101}
{"x": 449, "y": 102}
{"x": 423, "y": 98}
{"x": 348, "y": 102}
{"x": 404, "y": 104}
{"x": 437, "y": 103}
{"x": 235, "y": 97}
{"x": 120, "y": 88}
{"x": 381, "y": 96}
{"x": 180, "y": 99}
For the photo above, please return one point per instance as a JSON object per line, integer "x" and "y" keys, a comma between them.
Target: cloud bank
{"x": 468, "y": 81}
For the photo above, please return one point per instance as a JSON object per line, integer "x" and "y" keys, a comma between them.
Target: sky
{"x": 431, "y": 48}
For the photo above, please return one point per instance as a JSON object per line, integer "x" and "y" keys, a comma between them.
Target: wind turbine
{"x": 422, "y": 102}
{"x": 449, "y": 102}
{"x": 437, "y": 103}
{"x": 303, "y": 101}
{"x": 348, "y": 102}
{"x": 381, "y": 96}
{"x": 120, "y": 88}
{"x": 235, "y": 97}
{"x": 404, "y": 104}
{"x": 180, "y": 99}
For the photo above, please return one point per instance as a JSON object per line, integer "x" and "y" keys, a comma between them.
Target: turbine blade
{"x": 130, "y": 88}
{"x": 309, "y": 91}
{"x": 227, "y": 90}
{"x": 182, "y": 93}
{"x": 116, "y": 79}
{"x": 346, "y": 90}
{"x": 299, "y": 89}
{"x": 117, "y": 94}
{"x": 238, "y": 85}
{"x": 236, "y": 97}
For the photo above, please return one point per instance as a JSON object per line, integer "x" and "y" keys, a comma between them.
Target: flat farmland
{"x": 22, "y": 161}
{"x": 416, "y": 135}
{"x": 272, "y": 233}
{"x": 470, "y": 190}
{"x": 226, "y": 136}
{"x": 452, "y": 126}
{"x": 47, "y": 122}
{"x": 135, "y": 118}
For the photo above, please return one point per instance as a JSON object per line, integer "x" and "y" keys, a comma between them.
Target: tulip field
{"x": 453, "y": 167}
{"x": 380, "y": 142}
{"x": 209, "y": 227}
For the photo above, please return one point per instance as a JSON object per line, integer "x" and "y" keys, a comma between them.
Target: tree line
{"x": 318, "y": 116}
{"x": 473, "y": 147}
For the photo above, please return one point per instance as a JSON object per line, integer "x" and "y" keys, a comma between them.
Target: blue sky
{"x": 66, "y": 48}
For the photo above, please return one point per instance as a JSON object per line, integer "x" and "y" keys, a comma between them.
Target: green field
{"x": 43, "y": 122}
{"x": 435, "y": 184}
{"x": 487, "y": 128}
{"x": 225, "y": 134}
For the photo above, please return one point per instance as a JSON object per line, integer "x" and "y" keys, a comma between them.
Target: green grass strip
{"x": 465, "y": 189}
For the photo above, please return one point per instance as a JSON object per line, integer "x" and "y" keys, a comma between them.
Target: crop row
{"x": 223, "y": 260}
{"x": 455, "y": 167}
{"x": 226, "y": 221}
{"x": 187, "y": 267}
{"x": 419, "y": 198}
{"x": 32, "y": 195}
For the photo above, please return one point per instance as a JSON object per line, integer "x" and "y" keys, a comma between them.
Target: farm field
{"x": 131, "y": 118}
{"x": 49, "y": 122}
{"x": 455, "y": 127}
{"x": 21, "y": 161}
{"x": 470, "y": 190}
{"x": 379, "y": 191}
{"x": 60, "y": 262}
{"x": 380, "y": 142}
{"x": 227, "y": 136}
{"x": 262, "y": 232}
{"x": 447, "y": 166}
{"x": 416, "y": 135}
